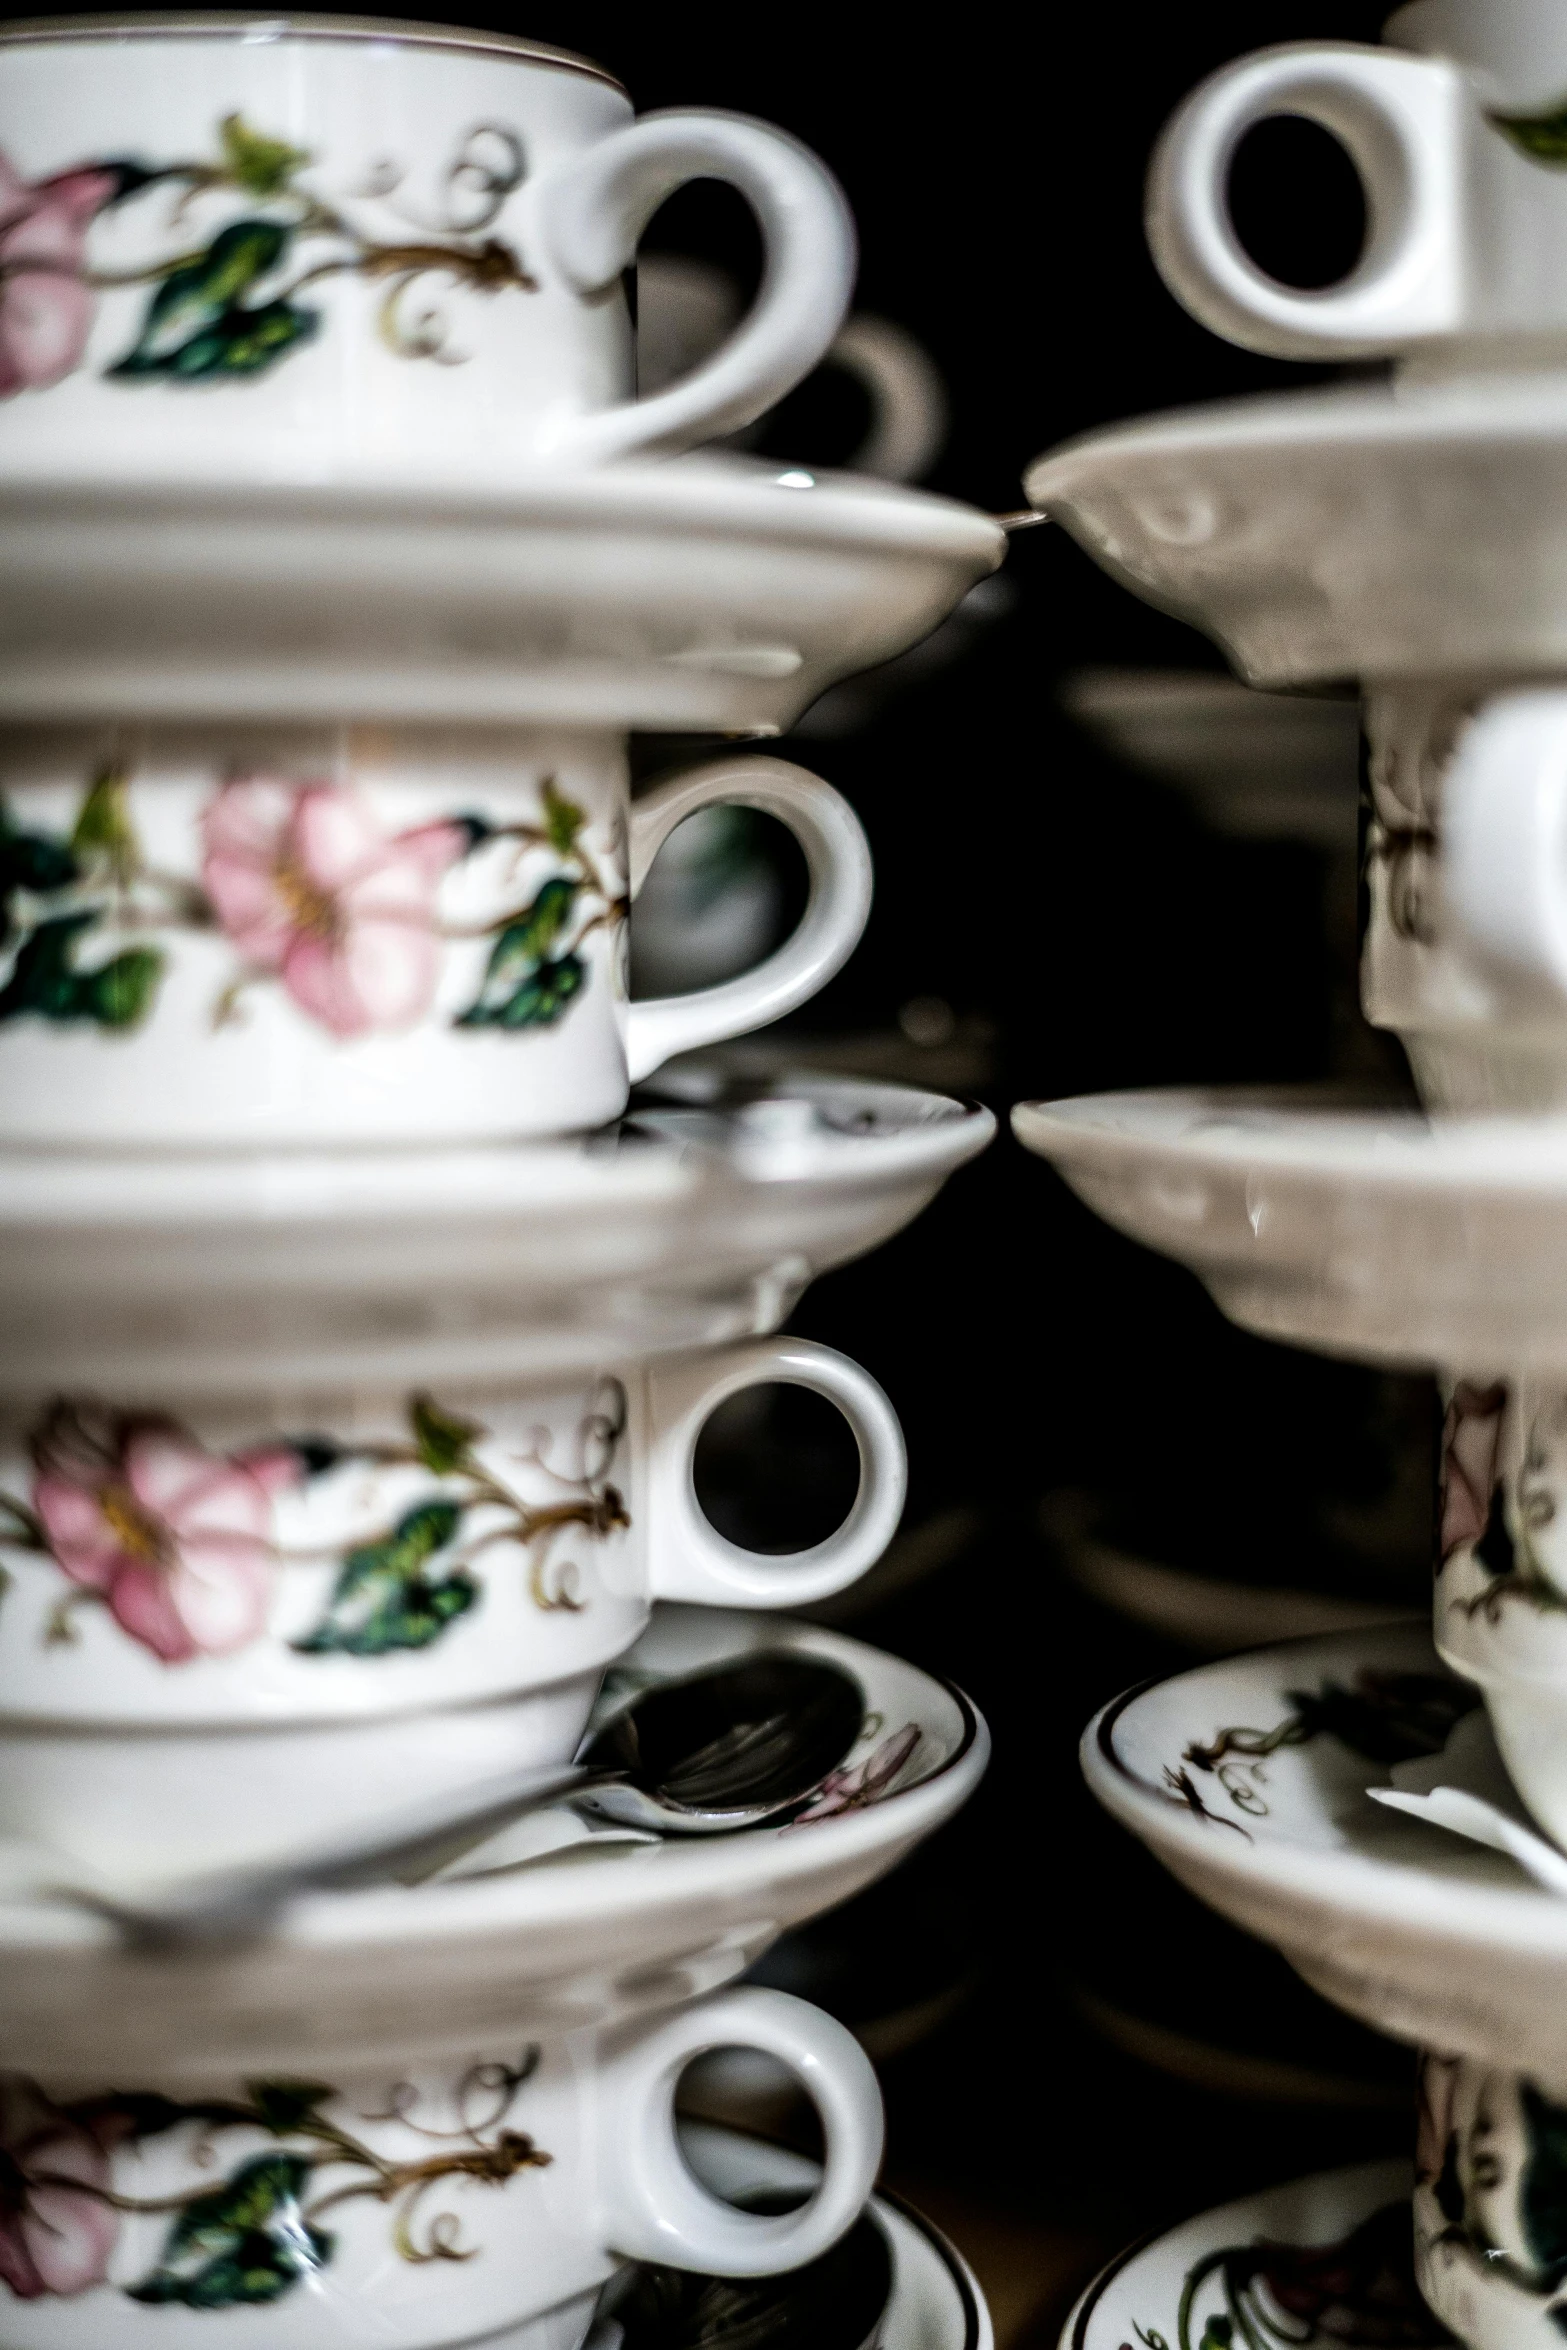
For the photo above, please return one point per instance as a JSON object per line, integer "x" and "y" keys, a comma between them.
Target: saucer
{"x": 588, "y": 1936}
{"x": 687, "y": 1224}
{"x": 1248, "y": 1778}
{"x": 700, "y": 594}
{"x": 935, "y": 2303}
{"x": 1377, "y": 1234}
{"x": 1324, "y": 2260}
{"x": 1377, "y": 530}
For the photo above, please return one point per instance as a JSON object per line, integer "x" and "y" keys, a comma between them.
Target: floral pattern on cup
{"x": 180, "y": 1543}
{"x": 315, "y": 896}
{"x": 1491, "y": 2194}
{"x": 1498, "y": 1505}
{"x": 230, "y": 307}
{"x": 255, "y": 2235}
{"x": 1359, "y": 2292}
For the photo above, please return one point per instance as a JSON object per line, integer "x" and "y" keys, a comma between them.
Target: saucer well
{"x": 935, "y": 2303}
{"x": 1324, "y": 2260}
{"x": 1373, "y": 531}
{"x": 700, "y": 594}
{"x": 1249, "y": 1779}
{"x": 538, "y": 1946}
{"x": 687, "y": 1225}
{"x": 1377, "y": 1234}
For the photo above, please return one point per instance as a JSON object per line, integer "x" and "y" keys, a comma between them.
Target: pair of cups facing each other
{"x": 225, "y": 1642}
{"x": 332, "y": 251}
{"x": 484, "y": 2199}
{"x": 346, "y": 937}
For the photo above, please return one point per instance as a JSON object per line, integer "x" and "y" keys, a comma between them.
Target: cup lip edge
{"x": 234, "y": 23}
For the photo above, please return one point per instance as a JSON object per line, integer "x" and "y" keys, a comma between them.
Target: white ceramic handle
{"x": 656, "y": 2210}
{"x": 838, "y": 861}
{"x": 1504, "y": 834}
{"x": 687, "y": 1557}
{"x": 591, "y": 212}
{"x": 907, "y": 396}
{"x": 1403, "y": 120}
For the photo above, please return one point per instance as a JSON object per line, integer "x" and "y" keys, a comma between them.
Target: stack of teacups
{"x": 349, "y": 1412}
{"x": 1404, "y": 532}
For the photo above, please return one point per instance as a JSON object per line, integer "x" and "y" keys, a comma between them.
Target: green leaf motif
{"x": 32, "y": 861}
{"x": 384, "y": 1600}
{"x": 563, "y": 819}
{"x": 540, "y": 1001}
{"x": 247, "y": 2243}
{"x": 44, "y": 981}
{"x": 262, "y": 166}
{"x": 1542, "y": 137}
{"x": 444, "y": 1439}
{"x": 525, "y": 984}
{"x": 103, "y": 832}
{"x": 282, "y": 2106}
{"x": 1542, "y": 2194}
{"x": 197, "y": 323}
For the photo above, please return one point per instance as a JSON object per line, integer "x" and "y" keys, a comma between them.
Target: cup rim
{"x": 245, "y": 24}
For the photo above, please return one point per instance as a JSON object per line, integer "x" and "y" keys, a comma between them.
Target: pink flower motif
{"x": 177, "y": 1540}
{"x": 308, "y": 886}
{"x": 852, "y": 1787}
{"x": 56, "y": 2232}
{"x": 46, "y": 307}
{"x": 1471, "y": 1440}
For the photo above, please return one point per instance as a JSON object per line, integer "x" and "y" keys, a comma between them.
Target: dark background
{"x": 994, "y": 162}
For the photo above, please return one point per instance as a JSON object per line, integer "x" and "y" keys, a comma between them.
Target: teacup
{"x": 311, "y": 940}
{"x": 316, "y": 250}
{"x": 221, "y": 1639}
{"x": 485, "y": 2200}
{"x": 1458, "y": 129}
{"x": 1490, "y": 2194}
{"x": 1465, "y": 953}
{"x": 1500, "y": 1615}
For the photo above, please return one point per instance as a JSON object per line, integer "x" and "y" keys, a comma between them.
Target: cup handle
{"x": 838, "y": 860}
{"x": 687, "y": 1557}
{"x": 1504, "y": 835}
{"x": 654, "y": 2209}
{"x": 907, "y": 396}
{"x": 591, "y": 212}
{"x": 1402, "y": 120}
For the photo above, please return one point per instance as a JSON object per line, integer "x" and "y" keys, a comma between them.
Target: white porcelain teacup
{"x": 315, "y": 250}
{"x": 486, "y": 2199}
{"x": 1500, "y": 1610}
{"x": 1490, "y": 2199}
{"x": 307, "y": 940}
{"x": 221, "y": 1639}
{"x": 1458, "y": 127}
{"x": 1465, "y": 953}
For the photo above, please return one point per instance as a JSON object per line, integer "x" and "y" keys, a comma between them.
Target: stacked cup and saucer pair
{"x": 359, "y": 1338}
{"x": 1391, "y": 1818}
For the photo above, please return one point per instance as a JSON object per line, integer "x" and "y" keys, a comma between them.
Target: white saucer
{"x": 1374, "y": 1234}
{"x": 398, "y": 1974}
{"x": 703, "y": 593}
{"x": 1423, "y": 1934}
{"x": 1230, "y": 2258}
{"x": 936, "y": 2302}
{"x": 683, "y": 1226}
{"x": 1373, "y": 531}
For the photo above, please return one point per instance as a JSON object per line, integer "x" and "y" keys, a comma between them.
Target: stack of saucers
{"x": 1405, "y": 532}
{"x": 377, "y": 1854}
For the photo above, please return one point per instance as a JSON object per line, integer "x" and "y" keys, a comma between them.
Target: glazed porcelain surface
{"x": 1488, "y": 2198}
{"x": 170, "y": 1283}
{"x": 1322, "y": 2260}
{"x": 284, "y": 943}
{"x": 702, "y": 594}
{"x": 936, "y": 2303}
{"x": 1460, "y": 147}
{"x": 1249, "y": 1779}
{"x": 338, "y": 250}
{"x": 1373, "y": 531}
{"x": 594, "y": 1932}
{"x": 1381, "y": 1235}
{"x": 431, "y": 2208}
